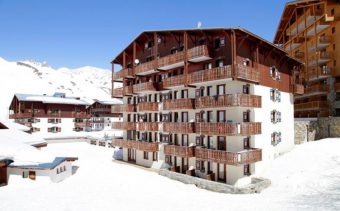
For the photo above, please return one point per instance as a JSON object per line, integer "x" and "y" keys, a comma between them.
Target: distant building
{"x": 309, "y": 31}
{"x": 102, "y": 115}
{"x": 212, "y": 103}
{"x": 49, "y": 114}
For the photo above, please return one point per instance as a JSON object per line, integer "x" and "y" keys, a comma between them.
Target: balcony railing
{"x": 319, "y": 72}
{"x": 213, "y": 74}
{"x": 299, "y": 89}
{"x": 179, "y": 127}
{"x": 180, "y": 151}
{"x": 147, "y": 126}
{"x": 144, "y": 67}
{"x": 124, "y": 125}
{"x": 178, "y": 104}
{"x": 139, "y": 145}
{"x": 147, "y": 106}
{"x": 228, "y": 100}
{"x": 317, "y": 89}
{"x": 101, "y": 110}
{"x": 117, "y": 92}
{"x": 247, "y": 73}
{"x": 337, "y": 87}
{"x": 315, "y": 105}
{"x": 123, "y": 108}
{"x": 128, "y": 90}
{"x": 230, "y": 129}
{"x": 174, "y": 81}
{"x": 230, "y": 158}
{"x": 127, "y": 72}
{"x": 20, "y": 115}
{"x": 197, "y": 52}
{"x": 171, "y": 59}
{"x": 143, "y": 87}
{"x": 63, "y": 114}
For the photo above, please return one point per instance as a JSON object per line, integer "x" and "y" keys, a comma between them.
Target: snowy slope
{"x": 307, "y": 178}
{"x": 29, "y": 77}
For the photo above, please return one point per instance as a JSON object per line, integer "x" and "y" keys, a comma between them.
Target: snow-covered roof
{"x": 50, "y": 99}
{"x": 13, "y": 144}
{"x": 13, "y": 125}
{"x": 49, "y": 165}
{"x": 113, "y": 101}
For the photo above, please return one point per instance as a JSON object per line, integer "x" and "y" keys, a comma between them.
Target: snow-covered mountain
{"x": 39, "y": 78}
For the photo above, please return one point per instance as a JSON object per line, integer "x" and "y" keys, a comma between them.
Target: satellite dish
{"x": 136, "y": 61}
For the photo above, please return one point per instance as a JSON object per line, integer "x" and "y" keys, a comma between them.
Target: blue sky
{"x": 75, "y": 33}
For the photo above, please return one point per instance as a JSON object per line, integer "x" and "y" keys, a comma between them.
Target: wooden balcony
{"x": 174, "y": 81}
{"x": 123, "y": 108}
{"x": 337, "y": 87}
{"x": 147, "y": 106}
{"x": 21, "y": 115}
{"x": 62, "y": 114}
{"x": 314, "y": 105}
{"x": 144, "y": 87}
{"x": 147, "y": 126}
{"x": 179, "y": 104}
{"x": 299, "y": 89}
{"x": 124, "y": 73}
{"x": 124, "y": 125}
{"x": 319, "y": 73}
{"x": 171, "y": 61}
{"x": 228, "y": 129}
{"x": 198, "y": 53}
{"x": 117, "y": 92}
{"x": 128, "y": 90}
{"x": 179, "y": 127}
{"x": 179, "y": 151}
{"x": 145, "y": 67}
{"x": 317, "y": 89}
{"x": 139, "y": 145}
{"x": 230, "y": 158}
{"x": 229, "y": 100}
{"x": 217, "y": 73}
{"x": 101, "y": 110}
{"x": 320, "y": 58}
{"x": 247, "y": 73}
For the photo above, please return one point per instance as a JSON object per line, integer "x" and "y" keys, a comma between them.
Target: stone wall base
{"x": 257, "y": 185}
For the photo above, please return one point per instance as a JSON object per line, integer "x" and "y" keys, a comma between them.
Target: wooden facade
{"x": 309, "y": 31}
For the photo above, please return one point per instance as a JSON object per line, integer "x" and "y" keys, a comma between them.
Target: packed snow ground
{"x": 307, "y": 178}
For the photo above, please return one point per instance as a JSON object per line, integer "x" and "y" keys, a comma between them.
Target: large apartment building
{"x": 102, "y": 115}
{"x": 310, "y": 31}
{"x": 211, "y": 103}
{"x": 49, "y": 114}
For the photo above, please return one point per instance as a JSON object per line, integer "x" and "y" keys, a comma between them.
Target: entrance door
{"x": 221, "y": 172}
{"x": 221, "y": 143}
{"x": 132, "y": 155}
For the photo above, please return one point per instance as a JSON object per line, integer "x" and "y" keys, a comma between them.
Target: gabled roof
{"x": 113, "y": 101}
{"x": 287, "y": 13}
{"x": 50, "y": 99}
{"x": 204, "y": 30}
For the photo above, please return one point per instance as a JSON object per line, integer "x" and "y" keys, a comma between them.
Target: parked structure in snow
{"x": 212, "y": 103}
{"x": 49, "y": 114}
{"x": 309, "y": 31}
{"x": 102, "y": 115}
{"x": 4, "y": 162}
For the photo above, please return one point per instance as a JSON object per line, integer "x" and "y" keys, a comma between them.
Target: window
{"x": 246, "y": 170}
{"x": 24, "y": 174}
{"x": 200, "y": 165}
{"x": 184, "y": 94}
{"x": 219, "y": 63}
{"x": 168, "y": 159}
{"x": 209, "y": 90}
{"x": 199, "y": 140}
{"x": 185, "y": 117}
{"x": 275, "y": 116}
{"x": 274, "y": 73}
{"x": 246, "y": 143}
{"x": 275, "y": 95}
{"x": 220, "y": 116}
{"x": 210, "y": 116}
{"x": 145, "y": 155}
{"x": 333, "y": 30}
{"x": 275, "y": 138}
{"x": 220, "y": 89}
{"x": 246, "y": 116}
{"x": 219, "y": 42}
{"x": 207, "y": 66}
{"x": 246, "y": 89}
{"x": 221, "y": 143}
{"x": 154, "y": 156}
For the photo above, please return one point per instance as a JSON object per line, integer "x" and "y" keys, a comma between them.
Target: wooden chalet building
{"x": 212, "y": 103}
